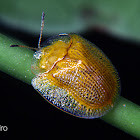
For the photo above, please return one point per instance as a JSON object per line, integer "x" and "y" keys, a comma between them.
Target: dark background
{"x": 27, "y": 114}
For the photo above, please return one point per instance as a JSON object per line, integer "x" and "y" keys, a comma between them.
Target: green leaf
{"x": 119, "y": 17}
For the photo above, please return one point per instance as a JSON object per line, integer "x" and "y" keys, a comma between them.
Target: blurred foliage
{"x": 119, "y": 17}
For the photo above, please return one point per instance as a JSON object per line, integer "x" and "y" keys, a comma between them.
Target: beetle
{"x": 74, "y": 75}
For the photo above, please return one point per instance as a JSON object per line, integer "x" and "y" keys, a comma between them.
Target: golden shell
{"x": 75, "y": 76}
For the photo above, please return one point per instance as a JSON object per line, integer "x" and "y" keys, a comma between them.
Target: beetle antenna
{"x": 22, "y": 46}
{"x": 40, "y": 36}
{"x": 42, "y": 26}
